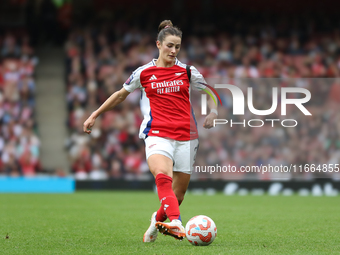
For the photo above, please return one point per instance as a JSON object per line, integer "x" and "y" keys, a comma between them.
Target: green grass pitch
{"x": 114, "y": 223}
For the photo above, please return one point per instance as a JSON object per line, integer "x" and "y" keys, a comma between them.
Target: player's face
{"x": 169, "y": 48}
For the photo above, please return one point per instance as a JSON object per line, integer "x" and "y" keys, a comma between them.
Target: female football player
{"x": 169, "y": 127}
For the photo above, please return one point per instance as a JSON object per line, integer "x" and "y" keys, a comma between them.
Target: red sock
{"x": 161, "y": 215}
{"x": 167, "y": 197}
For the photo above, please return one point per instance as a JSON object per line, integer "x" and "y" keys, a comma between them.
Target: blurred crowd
{"x": 100, "y": 58}
{"x": 19, "y": 143}
{"x": 294, "y": 140}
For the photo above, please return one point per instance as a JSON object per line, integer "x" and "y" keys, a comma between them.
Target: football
{"x": 200, "y": 230}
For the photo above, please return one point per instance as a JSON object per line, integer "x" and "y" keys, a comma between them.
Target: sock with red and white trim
{"x": 161, "y": 215}
{"x": 167, "y": 198}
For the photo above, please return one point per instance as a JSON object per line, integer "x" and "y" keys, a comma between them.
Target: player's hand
{"x": 209, "y": 120}
{"x": 88, "y": 124}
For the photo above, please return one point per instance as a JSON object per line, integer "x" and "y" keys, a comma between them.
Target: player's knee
{"x": 156, "y": 171}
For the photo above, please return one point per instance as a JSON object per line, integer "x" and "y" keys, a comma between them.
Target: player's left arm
{"x": 209, "y": 120}
{"x": 198, "y": 82}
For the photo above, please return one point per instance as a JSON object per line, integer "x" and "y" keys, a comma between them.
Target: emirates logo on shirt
{"x": 163, "y": 84}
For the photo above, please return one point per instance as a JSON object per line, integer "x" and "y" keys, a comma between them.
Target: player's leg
{"x": 155, "y": 165}
{"x": 185, "y": 156}
{"x": 159, "y": 158}
{"x": 180, "y": 182}
{"x": 161, "y": 167}
{"x": 160, "y": 164}
{"x": 180, "y": 185}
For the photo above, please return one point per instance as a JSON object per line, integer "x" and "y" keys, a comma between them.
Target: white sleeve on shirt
{"x": 197, "y": 81}
{"x": 133, "y": 82}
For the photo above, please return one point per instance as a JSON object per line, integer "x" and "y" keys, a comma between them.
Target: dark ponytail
{"x": 167, "y": 28}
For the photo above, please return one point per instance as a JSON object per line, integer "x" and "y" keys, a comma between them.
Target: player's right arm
{"x": 132, "y": 83}
{"x": 115, "y": 99}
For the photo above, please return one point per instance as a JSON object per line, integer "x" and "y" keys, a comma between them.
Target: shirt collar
{"x": 155, "y": 59}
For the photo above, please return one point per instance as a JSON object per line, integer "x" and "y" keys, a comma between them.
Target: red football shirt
{"x": 165, "y": 100}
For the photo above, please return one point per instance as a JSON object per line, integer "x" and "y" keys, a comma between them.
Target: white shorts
{"x": 182, "y": 153}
